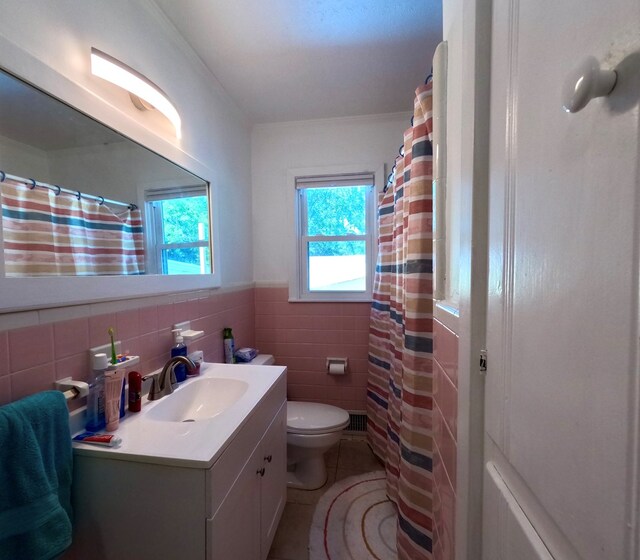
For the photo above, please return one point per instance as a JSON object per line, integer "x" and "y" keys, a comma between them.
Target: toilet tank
{"x": 263, "y": 360}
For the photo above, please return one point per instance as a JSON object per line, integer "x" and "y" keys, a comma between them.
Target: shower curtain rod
{"x": 32, "y": 183}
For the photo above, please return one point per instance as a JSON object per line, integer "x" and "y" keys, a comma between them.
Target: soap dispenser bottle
{"x": 180, "y": 349}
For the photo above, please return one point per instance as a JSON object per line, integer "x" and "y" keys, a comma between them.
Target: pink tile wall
{"x": 445, "y": 397}
{"x": 32, "y": 358}
{"x": 302, "y": 336}
{"x": 299, "y": 335}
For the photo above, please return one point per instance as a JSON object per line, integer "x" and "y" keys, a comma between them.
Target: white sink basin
{"x": 201, "y": 399}
{"x": 192, "y": 426}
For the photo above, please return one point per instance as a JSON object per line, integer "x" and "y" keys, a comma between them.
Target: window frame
{"x": 153, "y": 215}
{"x": 299, "y": 286}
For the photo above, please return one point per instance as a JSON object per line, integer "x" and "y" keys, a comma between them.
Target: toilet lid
{"x": 315, "y": 418}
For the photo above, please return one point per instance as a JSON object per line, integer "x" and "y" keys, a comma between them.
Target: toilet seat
{"x": 315, "y": 418}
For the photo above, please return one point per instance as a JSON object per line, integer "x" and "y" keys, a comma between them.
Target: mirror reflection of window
{"x": 179, "y": 225}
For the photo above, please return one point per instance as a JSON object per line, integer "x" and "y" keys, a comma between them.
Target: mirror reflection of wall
{"x": 45, "y": 139}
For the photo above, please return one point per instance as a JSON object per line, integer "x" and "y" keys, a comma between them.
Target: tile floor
{"x": 350, "y": 456}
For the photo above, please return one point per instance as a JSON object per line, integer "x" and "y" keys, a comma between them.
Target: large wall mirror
{"x": 79, "y": 199}
{"x": 47, "y": 140}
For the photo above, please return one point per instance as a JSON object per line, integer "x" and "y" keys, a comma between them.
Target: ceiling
{"x": 286, "y": 60}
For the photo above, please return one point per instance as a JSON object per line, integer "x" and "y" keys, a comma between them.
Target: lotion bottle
{"x": 95, "y": 400}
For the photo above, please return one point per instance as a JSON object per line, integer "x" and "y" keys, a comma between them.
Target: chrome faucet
{"x": 160, "y": 385}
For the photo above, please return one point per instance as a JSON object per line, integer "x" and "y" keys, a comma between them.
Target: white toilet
{"x": 312, "y": 429}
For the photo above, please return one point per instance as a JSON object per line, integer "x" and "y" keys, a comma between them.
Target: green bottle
{"x": 229, "y": 346}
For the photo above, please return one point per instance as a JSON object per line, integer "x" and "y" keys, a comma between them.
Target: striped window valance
{"x": 327, "y": 181}
{"x": 153, "y": 195}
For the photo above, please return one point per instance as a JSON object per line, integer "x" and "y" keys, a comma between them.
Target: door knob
{"x": 586, "y": 82}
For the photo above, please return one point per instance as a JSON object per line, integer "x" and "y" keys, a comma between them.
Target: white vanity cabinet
{"x": 138, "y": 509}
{"x": 254, "y": 502}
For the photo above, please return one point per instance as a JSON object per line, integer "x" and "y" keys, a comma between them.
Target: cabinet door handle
{"x": 268, "y": 458}
{"x": 260, "y": 471}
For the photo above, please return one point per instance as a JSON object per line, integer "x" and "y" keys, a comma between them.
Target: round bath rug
{"x": 354, "y": 520}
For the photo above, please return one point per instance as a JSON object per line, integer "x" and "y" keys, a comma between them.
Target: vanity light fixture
{"x": 143, "y": 92}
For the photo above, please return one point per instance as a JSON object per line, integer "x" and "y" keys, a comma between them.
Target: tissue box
{"x": 245, "y": 354}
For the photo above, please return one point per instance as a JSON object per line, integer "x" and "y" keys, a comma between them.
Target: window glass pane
{"x": 189, "y": 260}
{"x": 185, "y": 220}
{"x": 337, "y": 211}
{"x": 337, "y": 266}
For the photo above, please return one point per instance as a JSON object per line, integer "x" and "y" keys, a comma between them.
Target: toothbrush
{"x": 114, "y": 358}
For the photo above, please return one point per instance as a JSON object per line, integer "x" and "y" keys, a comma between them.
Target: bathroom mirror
{"x": 136, "y": 212}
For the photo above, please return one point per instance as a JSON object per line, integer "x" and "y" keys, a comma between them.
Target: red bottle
{"x": 135, "y": 391}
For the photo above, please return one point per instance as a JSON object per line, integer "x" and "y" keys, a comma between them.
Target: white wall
{"x": 452, "y": 14}
{"x": 22, "y": 160}
{"x": 277, "y": 148}
{"x": 466, "y": 28}
{"x": 119, "y": 171}
{"x": 216, "y": 136}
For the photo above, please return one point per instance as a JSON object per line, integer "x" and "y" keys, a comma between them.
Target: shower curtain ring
{"x": 59, "y": 189}
{"x": 133, "y": 207}
{"x": 78, "y": 195}
{"x": 4, "y": 176}
{"x": 101, "y": 200}
{"x": 33, "y": 183}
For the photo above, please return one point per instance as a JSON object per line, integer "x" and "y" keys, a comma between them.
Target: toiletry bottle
{"x": 95, "y": 400}
{"x": 180, "y": 349}
{"x": 135, "y": 391}
{"x": 112, "y": 394}
{"x": 122, "y": 397}
{"x": 229, "y": 346}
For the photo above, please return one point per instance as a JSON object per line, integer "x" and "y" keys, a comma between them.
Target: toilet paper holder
{"x": 337, "y": 366}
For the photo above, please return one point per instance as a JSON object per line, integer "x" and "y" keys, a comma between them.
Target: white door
{"x": 561, "y": 461}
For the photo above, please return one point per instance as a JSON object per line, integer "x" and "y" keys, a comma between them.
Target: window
{"x": 179, "y": 240}
{"x": 335, "y": 236}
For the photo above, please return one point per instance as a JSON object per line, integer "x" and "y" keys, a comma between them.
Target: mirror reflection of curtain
{"x": 46, "y": 234}
{"x": 399, "y": 389}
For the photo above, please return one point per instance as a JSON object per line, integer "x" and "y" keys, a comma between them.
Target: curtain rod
{"x": 32, "y": 183}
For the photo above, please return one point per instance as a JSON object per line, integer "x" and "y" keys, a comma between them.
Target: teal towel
{"x": 36, "y": 464}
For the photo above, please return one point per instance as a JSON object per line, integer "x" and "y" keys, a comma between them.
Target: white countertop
{"x": 190, "y": 444}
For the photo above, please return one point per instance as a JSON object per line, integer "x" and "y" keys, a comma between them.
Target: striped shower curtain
{"x": 399, "y": 391}
{"x": 45, "y": 234}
